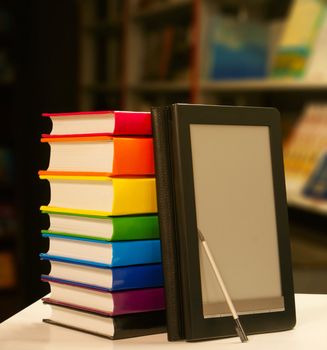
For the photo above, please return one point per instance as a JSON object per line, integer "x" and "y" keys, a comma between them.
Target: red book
{"x": 99, "y": 123}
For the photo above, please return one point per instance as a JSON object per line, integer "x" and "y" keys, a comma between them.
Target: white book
{"x": 118, "y": 327}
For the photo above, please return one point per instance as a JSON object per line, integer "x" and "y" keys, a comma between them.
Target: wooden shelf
{"x": 261, "y": 85}
{"x": 311, "y": 205}
{"x": 255, "y": 85}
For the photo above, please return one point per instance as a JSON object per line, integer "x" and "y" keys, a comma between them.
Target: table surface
{"x": 26, "y": 331}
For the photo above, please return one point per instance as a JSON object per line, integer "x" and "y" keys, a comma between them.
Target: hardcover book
{"x": 101, "y": 196}
{"x": 100, "y": 122}
{"x": 105, "y": 278}
{"x": 100, "y": 155}
{"x": 118, "y": 327}
{"x": 114, "y": 228}
{"x": 105, "y": 302}
{"x": 103, "y": 253}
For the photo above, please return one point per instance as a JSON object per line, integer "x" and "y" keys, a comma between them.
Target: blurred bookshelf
{"x": 170, "y": 51}
{"x": 259, "y": 85}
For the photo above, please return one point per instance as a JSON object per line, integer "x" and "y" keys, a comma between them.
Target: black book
{"x": 219, "y": 170}
{"x": 116, "y": 327}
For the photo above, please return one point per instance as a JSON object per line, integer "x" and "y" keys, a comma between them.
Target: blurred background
{"x": 60, "y": 56}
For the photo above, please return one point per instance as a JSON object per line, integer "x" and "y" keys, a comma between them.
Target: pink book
{"x": 105, "y": 302}
{"x": 100, "y": 123}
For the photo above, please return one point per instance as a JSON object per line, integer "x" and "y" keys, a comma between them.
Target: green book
{"x": 118, "y": 228}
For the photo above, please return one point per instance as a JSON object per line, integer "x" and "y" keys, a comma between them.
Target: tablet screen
{"x": 235, "y": 211}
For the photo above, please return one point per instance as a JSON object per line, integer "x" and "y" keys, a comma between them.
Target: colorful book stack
{"x": 104, "y": 249}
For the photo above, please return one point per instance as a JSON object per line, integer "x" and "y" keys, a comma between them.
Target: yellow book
{"x": 101, "y": 196}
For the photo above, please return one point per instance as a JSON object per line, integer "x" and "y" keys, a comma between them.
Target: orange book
{"x": 100, "y": 155}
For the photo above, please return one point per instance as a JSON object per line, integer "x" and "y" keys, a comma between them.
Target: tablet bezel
{"x": 196, "y": 326}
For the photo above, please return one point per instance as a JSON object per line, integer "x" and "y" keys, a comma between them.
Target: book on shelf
{"x": 106, "y": 302}
{"x": 316, "y": 186}
{"x": 237, "y": 48}
{"x": 303, "y": 147}
{"x": 102, "y": 253}
{"x": 100, "y": 155}
{"x": 296, "y": 43}
{"x": 167, "y": 54}
{"x": 99, "y": 122}
{"x": 102, "y": 196}
{"x": 114, "y": 228}
{"x": 106, "y": 278}
{"x": 118, "y": 327}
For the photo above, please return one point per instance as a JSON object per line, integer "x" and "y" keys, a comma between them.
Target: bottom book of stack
{"x": 112, "y": 314}
{"x": 118, "y": 327}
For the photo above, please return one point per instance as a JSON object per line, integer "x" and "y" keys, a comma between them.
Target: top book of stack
{"x": 122, "y": 123}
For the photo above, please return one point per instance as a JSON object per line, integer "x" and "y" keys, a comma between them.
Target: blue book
{"x": 316, "y": 186}
{"x": 102, "y": 253}
{"x": 237, "y": 49}
{"x": 105, "y": 278}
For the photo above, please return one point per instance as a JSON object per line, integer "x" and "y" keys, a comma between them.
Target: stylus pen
{"x": 239, "y": 329}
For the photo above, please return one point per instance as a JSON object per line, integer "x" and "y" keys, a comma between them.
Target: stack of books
{"x": 104, "y": 249}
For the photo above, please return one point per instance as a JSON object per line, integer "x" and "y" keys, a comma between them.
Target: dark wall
{"x": 47, "y": 73}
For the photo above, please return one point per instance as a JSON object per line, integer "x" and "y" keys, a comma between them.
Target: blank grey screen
{"x": 235, "y": 211}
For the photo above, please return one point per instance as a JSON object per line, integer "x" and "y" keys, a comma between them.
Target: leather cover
{"x": 166, "y": 210}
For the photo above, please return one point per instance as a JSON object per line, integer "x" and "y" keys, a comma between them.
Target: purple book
{"x": 105, "y": 302}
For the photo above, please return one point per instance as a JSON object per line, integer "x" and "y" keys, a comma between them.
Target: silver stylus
{"x": 239, "y": 329}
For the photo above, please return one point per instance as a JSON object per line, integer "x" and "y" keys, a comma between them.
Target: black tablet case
{"x": 166, "y": 209}
{"x": 167, "y": 169}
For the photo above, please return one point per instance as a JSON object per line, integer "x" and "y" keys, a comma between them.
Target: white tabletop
{"x": 26, "y": 331}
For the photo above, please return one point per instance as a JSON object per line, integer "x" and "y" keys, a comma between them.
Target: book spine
{"x": 134, "y": 196}
{"x": 125, "y": 228}
{"x": 132, "y": 123}
{"x": 135, "y": 252}
{"x": 140, "y": 276}
{"x": 138, "y": 300}
{"x": 133, "y": 156}
{"x": 135, "y": 227}
{"x": 165, "y": 188}
{"x": 123, "y": 278}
